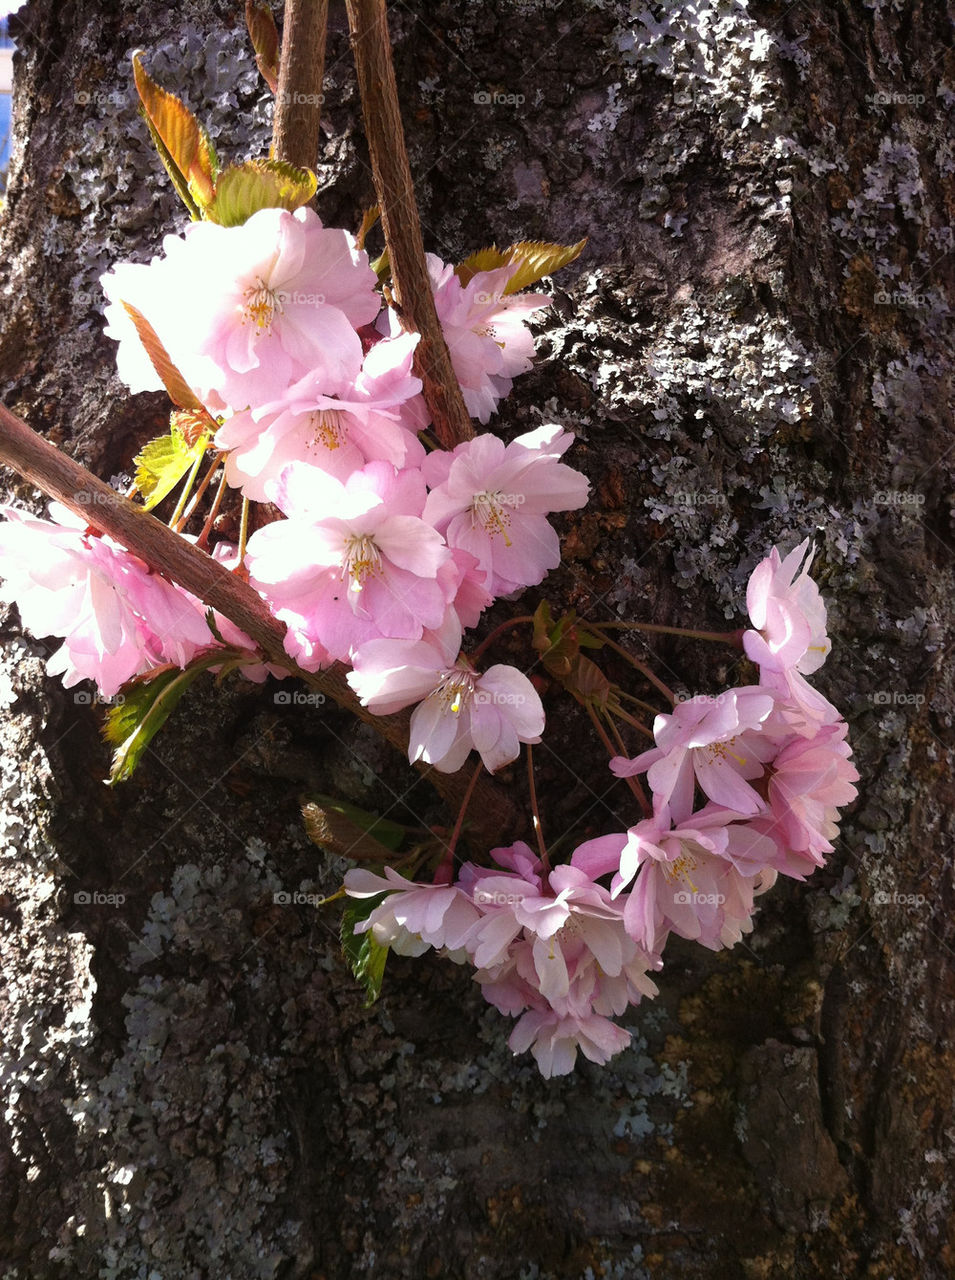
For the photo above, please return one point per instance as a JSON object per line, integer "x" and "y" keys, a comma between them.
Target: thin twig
{"x": 144, "y": 535}
{"x": 298, "y": 98}
{"x": 371, "y": 43}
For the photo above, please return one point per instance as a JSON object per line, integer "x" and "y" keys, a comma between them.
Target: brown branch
{"x": 141, "y": 533}
{"x": 298, "y": 98}
{"x": 399, "y": 216}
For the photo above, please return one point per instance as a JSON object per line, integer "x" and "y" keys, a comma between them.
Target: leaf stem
{"x": 643, "y": 669}
{"x": 612, "y": 751}
{"x": 499, "y": 631}
{"x": 538, "y": 829}
{"x": 445, "y": 870}
{"x": 720, "y": 637}
{"x": 186, "y": 490}
{"x": 187, "y": 515}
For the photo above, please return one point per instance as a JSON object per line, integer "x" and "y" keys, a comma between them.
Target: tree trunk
{"x": 753, "y": 348}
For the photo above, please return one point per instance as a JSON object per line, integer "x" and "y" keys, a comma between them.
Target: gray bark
{"x": 755, "y": 346}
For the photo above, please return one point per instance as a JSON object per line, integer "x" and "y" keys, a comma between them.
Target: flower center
{"x": 718, "y": 751}
{"x": 492, "y": 511}
{"x": 261, "y": 304}
{"x": 327, "y": 428}
{"x": 361, "y": 558}
{"x": 679, "y": 869}
{"x": 456, "y": 689}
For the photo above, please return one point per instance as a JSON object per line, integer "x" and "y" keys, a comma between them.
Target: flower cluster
{"x": 374, "y": 552}
{"x": 745, "y": 785}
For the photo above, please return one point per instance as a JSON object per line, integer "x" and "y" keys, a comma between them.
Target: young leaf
{"x": 365, "y": 956}
{"x": 386, "y": 833}
{"x": 537, "y": 258}
{"x": 180, "y": 393}
{"x": 163, "y": 462}
{"x": 186, "y": 143}
{"x": 368, "y": 220}
{"x": 132, "y": 725}
{"x": 265, "y": 41}
{"x": 244, "y": 189}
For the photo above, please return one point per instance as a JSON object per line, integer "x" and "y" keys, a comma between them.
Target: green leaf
{"x": 147, "y": 703}
{"x": 163, "y": 462}
{"x": 389, "y": 834}
{"x": 265, "y": 41}
{"x": 179, "y": 391}
{"x": 365, "y": 956}
{"x": 244, "y": 189}
{"x": 537, "y": 258}
{"x": 186, "y": 144}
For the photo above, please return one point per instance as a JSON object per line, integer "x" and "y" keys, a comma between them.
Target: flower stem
{"x": 627, "y": 718}
{"x": 499, "y": 631}
{"x": 243, "y": 533}
{"x": 445, "y": 871}
{"x": 638, "y": 702}
{"x": 186, "y": 490}
{"x": 538, "y": 829}
{"x": 632, "y": 783}
{"x": 643, "y": 669}
{"x": 186, "y": 516}
{"x": 720, "y": 637}
{"x": 213, "y": 512}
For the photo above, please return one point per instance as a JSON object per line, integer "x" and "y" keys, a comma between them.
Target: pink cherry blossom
{"x": 353, "y": 563}
{"x": 336, "y": 424}
{"x": 492, "y": 500}
{"x": 712, "y": 740}
{"x": 682, "y": 878}
{"x": 485, "y": 331}
{"x": 117, "y": 618}
{"x": 248, "y": 310}
{"x": 789, "y": 641}
{"x": 414, "y": 916}
{"x": 458, "y": 707}
{"x": 811, "y": 779}
{"x": 554, "y": 1039}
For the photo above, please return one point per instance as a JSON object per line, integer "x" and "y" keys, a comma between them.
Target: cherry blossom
{"x": 459, "y": 708}
{"x": 492, "y": 500}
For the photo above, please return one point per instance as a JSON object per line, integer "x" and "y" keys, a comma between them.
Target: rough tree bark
{"x": 753, "y": 347}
